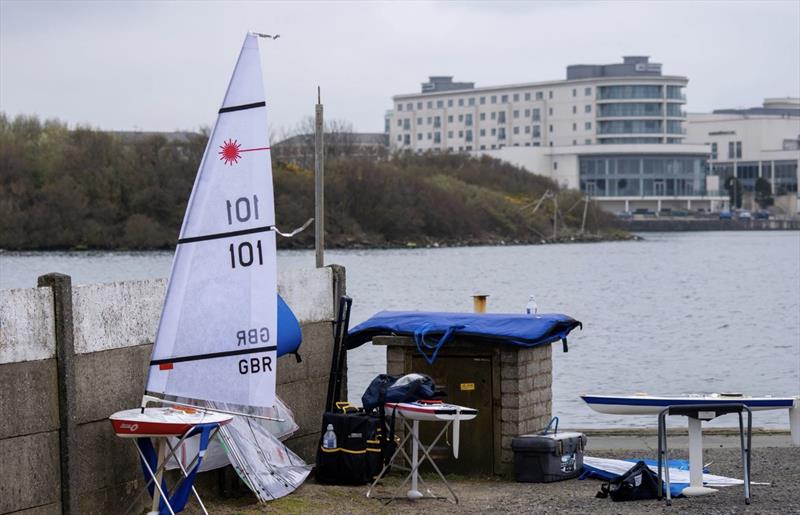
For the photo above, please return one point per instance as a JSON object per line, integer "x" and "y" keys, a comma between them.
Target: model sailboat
{"x": 217, "y": 342}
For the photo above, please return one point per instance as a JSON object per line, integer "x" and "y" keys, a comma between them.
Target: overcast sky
{"x": 165, "y": 65}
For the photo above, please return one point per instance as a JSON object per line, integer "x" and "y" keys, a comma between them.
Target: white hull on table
{"x": 431, "y": 411}
{"x": 653, "y": 404}
{"x": 160, "y": 422}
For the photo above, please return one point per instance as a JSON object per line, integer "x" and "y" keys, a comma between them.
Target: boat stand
{"x": 696, "y": 413}
{"x": 154, "y": 470}
{"x": 412, "y": 432}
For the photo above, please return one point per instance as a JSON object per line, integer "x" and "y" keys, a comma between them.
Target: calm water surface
{"x": 676, "y": 313}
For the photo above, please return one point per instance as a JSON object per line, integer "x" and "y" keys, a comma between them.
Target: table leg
{"x": 414, "y": 493}
{"x": 696, "y": 487}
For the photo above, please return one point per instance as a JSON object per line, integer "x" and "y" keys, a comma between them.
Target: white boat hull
{"x": 431, "y": 411}
{"x": 653, "y": 405}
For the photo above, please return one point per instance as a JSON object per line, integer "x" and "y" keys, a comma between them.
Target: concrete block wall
{"x": 526, "y": 395}
{"x": 58, "y": 451}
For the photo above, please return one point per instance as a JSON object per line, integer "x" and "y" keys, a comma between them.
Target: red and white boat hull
{"x": 431, "y": 411}
{"x": 162, "y": 422}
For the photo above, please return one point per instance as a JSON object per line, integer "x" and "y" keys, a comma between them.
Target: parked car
{"x": 744, "y": 215}
{"x": 725, "y": 215}
{"x": 623, "y": 214}
{"x": 761, "y": 215}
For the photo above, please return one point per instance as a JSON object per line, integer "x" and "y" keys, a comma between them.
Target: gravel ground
{"x": 778, "y": 466}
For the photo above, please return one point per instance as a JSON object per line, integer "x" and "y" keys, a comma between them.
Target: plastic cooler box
{"x": 549, "y": 457}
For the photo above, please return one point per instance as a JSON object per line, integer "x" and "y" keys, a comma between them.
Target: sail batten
{"x": 217, "y": 337}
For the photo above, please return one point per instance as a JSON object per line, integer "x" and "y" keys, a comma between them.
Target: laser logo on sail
{"x": 230, "y": 152}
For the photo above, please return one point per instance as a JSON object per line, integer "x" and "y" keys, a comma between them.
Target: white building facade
{"x": 614, "y": 131}
{"x": 752, "y": 143}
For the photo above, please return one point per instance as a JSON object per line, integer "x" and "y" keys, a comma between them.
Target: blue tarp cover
{"x": 499, "y": 328}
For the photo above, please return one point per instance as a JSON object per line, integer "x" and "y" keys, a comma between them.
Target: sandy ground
{"x": 778, "y": 466}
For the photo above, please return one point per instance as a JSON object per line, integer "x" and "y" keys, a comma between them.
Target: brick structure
{"x": 515, "y": 387}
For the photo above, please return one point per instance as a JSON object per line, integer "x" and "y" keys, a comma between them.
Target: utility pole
{"x": 555, "y": 215}
{"x": 319, "y": 184}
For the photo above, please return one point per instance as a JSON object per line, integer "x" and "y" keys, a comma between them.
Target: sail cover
{"x": 217, "y": 336}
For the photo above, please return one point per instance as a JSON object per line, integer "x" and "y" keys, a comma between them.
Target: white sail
{"x": 217, "y": 336}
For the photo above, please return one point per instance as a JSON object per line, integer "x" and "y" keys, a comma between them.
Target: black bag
{"x": 638, "y": 483}
{"x": 360, "y": 446}
{"x": 408, "y": 388}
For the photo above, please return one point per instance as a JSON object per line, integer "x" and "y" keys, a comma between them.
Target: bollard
{"x": 479, "y": 303}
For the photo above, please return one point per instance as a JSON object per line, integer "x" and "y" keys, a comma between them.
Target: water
{"x": 677, "y": 313}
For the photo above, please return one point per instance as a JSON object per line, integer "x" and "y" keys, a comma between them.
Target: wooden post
{"x": 555, "y": 216}
{"x": 479, "y": 302}
{"x": 585, "y": 208}
{"x": 319, "y": 184}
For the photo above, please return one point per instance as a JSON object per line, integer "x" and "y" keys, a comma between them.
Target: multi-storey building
{"x": 616, "y": 131}
{"x": 758, "y": 142}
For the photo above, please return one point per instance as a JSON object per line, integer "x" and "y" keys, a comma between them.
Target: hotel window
{"x": 527, "y": 96}
{"x": 494, "y": 99}
{"x": 587, "y": 108}
{"x": 399, "y": 122}
{"x": 450, "y": 102}
{"x": 419, "y": 105}
{"x": 440, "y": 103}
{"x": 516, "y": 113}
{"x": 419, "y": 136}
{"x": 419, "y": 121}
{"x": 483, "y": 116}
{"x": 574, "y": 127}
{"x": 399, "y": 107}
{"x": 588, "y": 141}
{"x": 713, "y": 151}
{"x": 527, "y": 129}
{"x": 516, "y": 97}
{"x": 437, "y": 122}
{"x": 536, "y": 114}
{"x": 501, "y": 117}
{"x": 587, "y": 126}
{"x": 537, "y": 132}
{"x": 539, "y": 95}
{"x": 501, "y": 133}
{"x": 738, "y": 149}
{"x": 468, "y": 119}
{"x": 555, "y": 165}
{"x": 494, "y": 147}
{"x": 730, "y": 150}
{"x": 469, "y": 136}
{"x": 409, "y": 106}
{"x": 587, "y": 92}
{"x": 407, "y": 124}
{"x": 450, "y": 134}
{"x": 430, "y": 120}
{"x": 461, "y": 102}
{"x": 483, "y": 132}
{"x": 437, "y": 137}
{"x": 551, "y": 128}
{"x": 536, "y": 144}
{"x": 574, "y": 92}
{"x": 516, "y": 130}
{"x": 430, "y": 135}
{"x": 461, "y": 118}
{"x": 550, "y": 111}
{"x": 450, "y": 118}
{"x": 504, "y": 99}
{"x": 527, "y": 113}
{"x": 399, "y": 137}
{"x": 574, "y": 142}
{"x": 430, "y": 104}
{"x": 460, "y": 134}
{"x": 550, "y": 94}
{"x": 574, "y": 109}
{"x": 494, "y": 132}
{"x": 483, "y": 147}
{"x": 493, "y": 116}
{"x": 483, "y": 100}
{"x": 471, "y": 101}
{"x": 407, "y": 139}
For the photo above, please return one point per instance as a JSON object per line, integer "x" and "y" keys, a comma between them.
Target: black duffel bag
{"x": 358, "y": 456}
{"x": 637, "y": 484}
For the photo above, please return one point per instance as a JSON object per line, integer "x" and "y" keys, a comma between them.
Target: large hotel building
{"x": 617, "y": 131}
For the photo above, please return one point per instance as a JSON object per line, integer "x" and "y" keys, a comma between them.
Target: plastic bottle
{"x": 531, "y": 307}
{"x": 329, "y": 438}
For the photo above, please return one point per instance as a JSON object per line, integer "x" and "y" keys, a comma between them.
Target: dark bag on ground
{"x": 637, "y": 484}
{"x": 358, "y": 456}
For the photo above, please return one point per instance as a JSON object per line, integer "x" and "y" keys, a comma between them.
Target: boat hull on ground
{"x": 653, "y": 405}
{"x": 159, "y": 422}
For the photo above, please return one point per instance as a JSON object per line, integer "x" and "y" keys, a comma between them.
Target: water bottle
{"x": 531, "y": 307}
{"x": 329, "y": 438}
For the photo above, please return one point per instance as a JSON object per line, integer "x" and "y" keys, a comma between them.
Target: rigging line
{"x": 212, "y": 355}
{"x": 230, "y": 234}
{"x": 296, "y": 231}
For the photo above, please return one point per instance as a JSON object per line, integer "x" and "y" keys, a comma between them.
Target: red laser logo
{"x": 231, "y": 151}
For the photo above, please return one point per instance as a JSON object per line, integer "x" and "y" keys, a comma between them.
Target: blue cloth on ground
{"x": 289, "y": 336}
{"x": 675, "y": 489}
{"x": 431, "y": 330}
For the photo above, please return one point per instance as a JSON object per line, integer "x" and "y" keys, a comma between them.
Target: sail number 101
{"x": 244, "y": 255}
{"x": 241, "y": 209}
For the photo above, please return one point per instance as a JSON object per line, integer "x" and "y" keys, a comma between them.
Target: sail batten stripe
{"x": 220, "y": 235}
{"x": 242, "y": 107}
{"x": 212, "y": 355}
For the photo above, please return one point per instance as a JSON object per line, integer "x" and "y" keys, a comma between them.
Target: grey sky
{"x": 165, "y": 65}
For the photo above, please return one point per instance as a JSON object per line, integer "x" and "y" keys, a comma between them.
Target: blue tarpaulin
{"x": 431, "y": 330}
